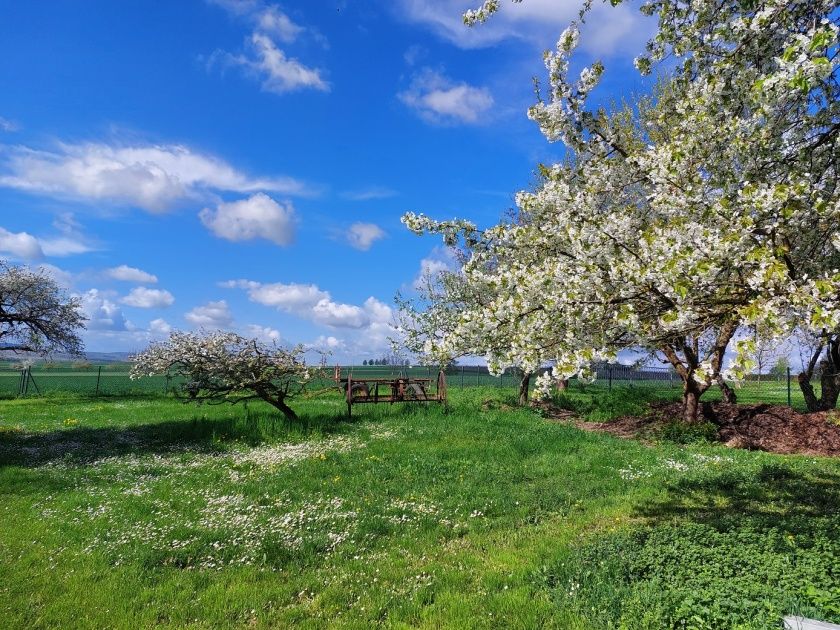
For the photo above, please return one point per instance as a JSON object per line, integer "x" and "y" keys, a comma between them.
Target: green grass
{"x": 599, "y": 402}
{"x": 140, "y": 512}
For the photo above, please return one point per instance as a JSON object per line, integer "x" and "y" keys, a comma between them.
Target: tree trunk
{"x": 812, "y": 403}
{"x": 829, "y": 377}
{"x": 279, "y": 403}
{"x": 830, "y": 383}
{"x": 728, "y": 393}
{"x": 562, "y": 384}
{"x": 687, "y": 366}
{"x": 524, "y": 386}
{"x": 691, "y": 401}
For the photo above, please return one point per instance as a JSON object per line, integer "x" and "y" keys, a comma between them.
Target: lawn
{"x": 136, "y": 512}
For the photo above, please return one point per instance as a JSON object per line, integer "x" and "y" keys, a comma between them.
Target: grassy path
{"x": 134, "y": 513}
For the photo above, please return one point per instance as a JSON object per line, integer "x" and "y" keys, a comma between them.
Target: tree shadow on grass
{"x": 83, "y": 445}
{"x": 731, "y": 547}
{"x": 774, "y": 496}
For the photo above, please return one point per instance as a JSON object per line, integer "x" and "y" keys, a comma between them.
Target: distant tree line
{"x": 392, "y": 360}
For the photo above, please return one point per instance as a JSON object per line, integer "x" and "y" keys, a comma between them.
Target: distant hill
{"x": 61, "y": 357}
{"x": 108, "y": 357}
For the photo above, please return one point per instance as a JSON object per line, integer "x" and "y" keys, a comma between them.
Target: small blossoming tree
{"x": 226, "y": 367}
{"x": 711, "y": 205}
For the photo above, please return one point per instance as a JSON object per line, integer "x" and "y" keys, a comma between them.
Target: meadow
{"x": 142, "y": 511}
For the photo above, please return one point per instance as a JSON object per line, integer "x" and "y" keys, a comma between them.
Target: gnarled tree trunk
{"x": 687, "y": 365}
{"x": 278, "y": 401}
{"x": 829, "y": 377}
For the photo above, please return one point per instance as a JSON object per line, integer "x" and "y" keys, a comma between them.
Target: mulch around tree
{"x": 771, "y": 428}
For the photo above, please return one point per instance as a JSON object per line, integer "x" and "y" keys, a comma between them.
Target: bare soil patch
{"x": 771, "y": 428}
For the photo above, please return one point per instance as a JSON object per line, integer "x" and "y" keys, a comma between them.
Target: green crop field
{"x": 140, "y": 512}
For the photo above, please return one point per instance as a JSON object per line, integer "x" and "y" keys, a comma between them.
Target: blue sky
{"x": 244, "y": 164}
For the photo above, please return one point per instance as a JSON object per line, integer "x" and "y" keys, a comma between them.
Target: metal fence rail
{"x": 663, "y": 382}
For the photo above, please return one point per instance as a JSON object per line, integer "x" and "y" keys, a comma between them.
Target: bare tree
{"x": 36, "y": 315}
{"x": 766, "y": 351}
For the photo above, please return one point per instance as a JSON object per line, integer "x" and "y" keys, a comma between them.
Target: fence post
{"x": 21, "y": 381}
{"x": 462, "y": 377}
{"x": 98, "y": 376}
{"x": 609, "y": 374}
{"x": 788, "y": 387}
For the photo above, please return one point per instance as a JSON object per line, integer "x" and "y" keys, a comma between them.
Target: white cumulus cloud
{"x": 152, "y": 177}
{"x": 286, "y": 297}
{"x": 309, "y": 302}
{"x": 362, "y": 235}
{"x": 142, "y": 297}
{"x": 439, "y": 259}
{"x": 264, "y": 333}
{"x": 258, "y": 216}
{"x": 210, "y": 315}
{"x": 159, "y": 327}
{"x": 101, "y": 312}
{"x": 20, "y": 245}
{"x": 439, "y": 100}
{"x": 125, "y": 273}
{"x": 339, "y": 315}
{"x": 328, "y": 343}
{"x": 379, "y": 312}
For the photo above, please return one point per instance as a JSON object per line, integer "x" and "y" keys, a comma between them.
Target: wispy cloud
{"x": 263, "y": 58}
{"x": 609, "y": 30}
{"x": 277, "y": 72}
{"x": 439, "y": 100}
{"x": 8, "y": 126}
{"x": 152, "y": 177}
{"x": 124, "y": 273}
{"x": 369, "y": 194}
{"x": 362, "y": 235}
{"x": 69, "y": 241}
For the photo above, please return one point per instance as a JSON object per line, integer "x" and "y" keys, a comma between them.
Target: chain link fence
{"x": 659, "y": 382}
